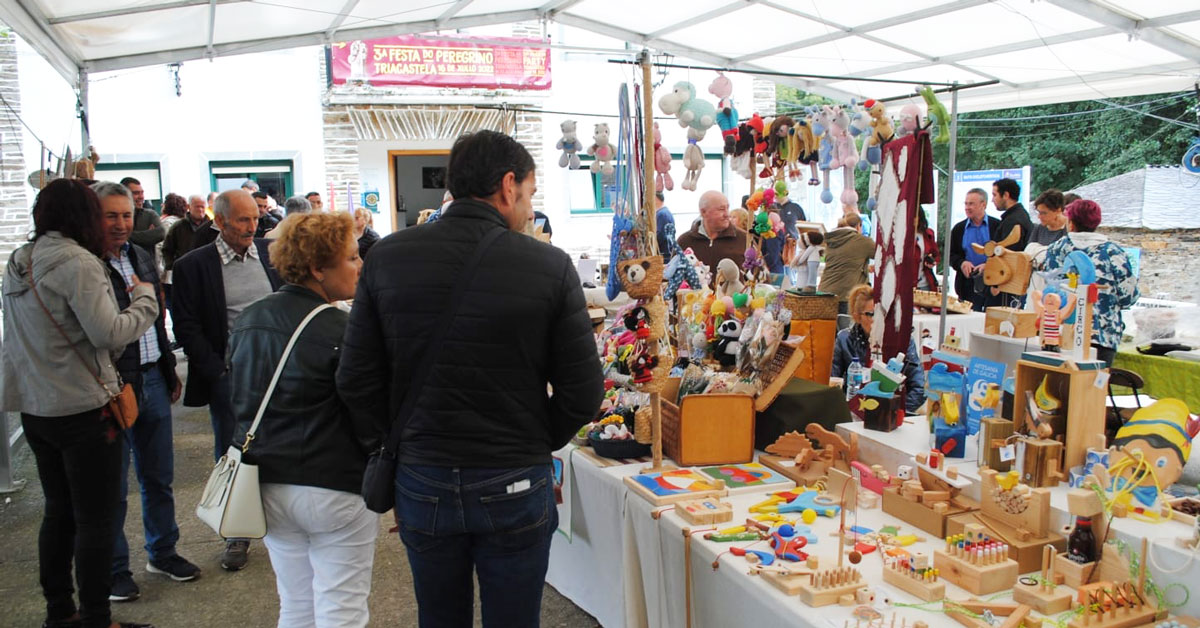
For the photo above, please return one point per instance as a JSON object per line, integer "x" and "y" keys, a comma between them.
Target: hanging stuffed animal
{"x": 602, "y": 150}
{"x": 776, "y": 155}
{"x": 844, "y": 155}
{"x": 821, "y": 120}
{"x": 806, "y": 149}
{"x": 935, "y": 111}
{"x": 749, "y": 144}
{"x": 570, "y": 146}
{"x": 727, "y": 116}
{"x": 697, "y": 116}
{"x": 662, "y": 163}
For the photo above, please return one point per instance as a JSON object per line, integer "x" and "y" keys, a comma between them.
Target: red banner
{"x": 460, "y": 63}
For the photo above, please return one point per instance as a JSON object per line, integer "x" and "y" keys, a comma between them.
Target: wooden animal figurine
{"x": 1005, "y": 270}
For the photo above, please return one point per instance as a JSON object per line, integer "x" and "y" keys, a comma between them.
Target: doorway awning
{"x": 1038, "y": 52}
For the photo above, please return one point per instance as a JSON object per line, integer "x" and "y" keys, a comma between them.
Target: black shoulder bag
{"x": 379, "y": 479}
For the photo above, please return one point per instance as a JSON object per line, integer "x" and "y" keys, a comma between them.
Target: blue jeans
{"x": 220, "y": 410}
{"x": 151, "y": 442}
{"x": 457, "y": 520}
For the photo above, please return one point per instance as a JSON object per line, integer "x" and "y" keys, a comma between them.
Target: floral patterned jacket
{"x": 1113, "y": 269}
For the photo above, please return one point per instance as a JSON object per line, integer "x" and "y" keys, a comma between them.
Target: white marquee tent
{"x": 1035, "y": 51}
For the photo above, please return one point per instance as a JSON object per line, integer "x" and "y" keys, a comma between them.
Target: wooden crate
{"x": 1083, "y": 399}
{"x": 709, "y": 429}
{"x": 819, "y": 336}
{"x": 1024, "y": 323}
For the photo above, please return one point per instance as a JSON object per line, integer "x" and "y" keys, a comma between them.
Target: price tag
{"x": 1101, "y": 380}
{"x": 1007, "y": 453}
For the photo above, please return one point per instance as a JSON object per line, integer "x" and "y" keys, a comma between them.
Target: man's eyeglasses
{"x": 869, "y": 314}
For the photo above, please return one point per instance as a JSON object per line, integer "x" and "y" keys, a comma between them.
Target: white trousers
{"x": 322, "y": 547}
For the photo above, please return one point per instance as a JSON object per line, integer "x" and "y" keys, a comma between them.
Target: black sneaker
{"x": 73, "y": 622}
{"x": 174, "y": 566}
{"x": 237, "y": 552}
{"x": 124, "y": 589}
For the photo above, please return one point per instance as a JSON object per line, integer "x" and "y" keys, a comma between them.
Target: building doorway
{"x": 274, "y": 176}
{"x": 418, "y": 182}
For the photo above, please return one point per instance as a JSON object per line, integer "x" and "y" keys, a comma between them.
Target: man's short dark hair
{"x": 1009, "y": 187}
{"x": 312, "y": 194}
{"x": 479, "y": 161}
{"x": 258, "y": 194}
{"x": 1052, "y": 199}
{"x": 660, "y": 196}
{"x": 127, "y": 180}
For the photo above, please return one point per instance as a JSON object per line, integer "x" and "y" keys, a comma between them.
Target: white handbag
{"x": 231, "y": 503}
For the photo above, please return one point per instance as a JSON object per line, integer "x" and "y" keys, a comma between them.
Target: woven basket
{"x": 641, "y": 277}
{"x": 811, "y": 306}
{"x": 643, "y": 425}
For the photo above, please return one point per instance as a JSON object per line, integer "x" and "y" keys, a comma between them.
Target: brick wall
{"x": 15, "y": 202}
{"x": 1170, "y": 261}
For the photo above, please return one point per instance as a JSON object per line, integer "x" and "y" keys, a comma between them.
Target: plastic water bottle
{"x": 854, "y": 378}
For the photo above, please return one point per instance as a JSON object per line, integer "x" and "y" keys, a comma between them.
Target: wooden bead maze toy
{"x": 976, "y": 562}
{"x": 915, "y": 576}
{"x": 1043, "y": 594}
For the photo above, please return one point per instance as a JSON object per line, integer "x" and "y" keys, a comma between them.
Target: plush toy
{"x": 821, "y": 120}
{"x": 602, "y": 150}
{"x": 881, "y": 131}
{"x": 569, "y": 145}
{"x": 662, "y": 163}
{"x": 808, "y": 262}
{"x": 750, "y": 143}
{"x": 692, "y": 112}
{"x": 726, "y": 349}
{"x": 806, "y": 148}
{"x": 729, "y": 278}
{"x": 727, "y": 116}
{"x": 755, "y": 269}
{"x": 844, "y": 154}
{"x": 681, "y": 271}
{"x": 776, "y": 155}
{"x": 936, "y": 112}
{"x": 910, "y": 120}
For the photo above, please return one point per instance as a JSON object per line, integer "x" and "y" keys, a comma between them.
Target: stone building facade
{"x": 1170, "y": 266}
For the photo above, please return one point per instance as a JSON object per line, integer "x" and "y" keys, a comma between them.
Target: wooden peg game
{"x": 827, "y": 585}
{"x": 1115, "y": 606}
{"x": 976, "y": 562}
{"x": 1044, "y": 596}
{"x": 915, "y": 576}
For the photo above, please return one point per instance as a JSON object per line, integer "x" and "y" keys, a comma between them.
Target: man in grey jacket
{"x": 147, "y": 228}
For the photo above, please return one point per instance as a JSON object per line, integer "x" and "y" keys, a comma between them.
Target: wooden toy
{"x": 778, "y": 373}
{"x": 826, "y": 586}
{"x": 993, "y": 436}
{"x": 921, "y": 582}
{"x": 1010, "y": 322}
{"x": 1149, "y": 453}
{"x": 929, "y": 500}
{"x": 1043, "y": 595}
{"x": 749, "y": 477}
{"x": 793, "y": 456}
{"x": 976, "y": 562}
{"x": 1016, "y": 514}
{"x": 1083, "y": 400}
{"x": 1006, "y": 270}
{"x": 667, "y": 487}
{"x": 1039, "y": 461}
{"x": 1115, "y": 606}
{"x": 1015, "y": 614}
{"x": 707, "y": 511}
{"x": 931, "y": 299}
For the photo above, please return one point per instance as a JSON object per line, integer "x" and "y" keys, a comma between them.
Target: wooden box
{"x": 1074, "y": 574}
{"x": 977, "y": 579}
{"x": 1010, "y": 322}
{"x": 819, "y": 336}
{"x": 1027, "y": 554}
{"x": 991, "y": 431}
{"x": 922, "y": 515}
{"x": 709, "y": 429}
{"x": 1084, "y": 402}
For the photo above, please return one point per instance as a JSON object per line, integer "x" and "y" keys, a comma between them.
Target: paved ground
{"x": 246, "y": 598}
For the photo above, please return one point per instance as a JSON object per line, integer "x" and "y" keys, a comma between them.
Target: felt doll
{"x": 1051, "y": 312}
{"x": 808, "y": 262}
{"x": 662, "y": 163}
{"x": 570, "y": 146}
{"x": 602, "y": 150}
{"x": 727, "y": 116}
{"x": 1151, "y": 451}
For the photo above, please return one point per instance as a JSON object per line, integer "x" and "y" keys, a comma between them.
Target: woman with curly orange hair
{"x": 320, "y": 535}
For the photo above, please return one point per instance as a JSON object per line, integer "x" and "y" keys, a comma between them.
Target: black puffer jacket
{"x": 305, "y": 437}
{"x": 523, "y": 324}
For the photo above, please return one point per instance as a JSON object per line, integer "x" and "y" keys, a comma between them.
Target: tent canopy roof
{"x": 1039, "y": 52}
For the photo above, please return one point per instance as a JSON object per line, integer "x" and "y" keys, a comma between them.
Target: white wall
{"x": 47, "y": 106}
{"x": 261, "y": 106}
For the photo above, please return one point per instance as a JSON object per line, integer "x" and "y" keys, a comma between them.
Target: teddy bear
{"x": 662, "y": 163}
{"x": 569, "y": 145}
{"x": 602, "y": 150}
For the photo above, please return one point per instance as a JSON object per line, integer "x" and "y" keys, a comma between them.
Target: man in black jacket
{"x": 149, "y": 366}
{"x": 978, "y": 228}
{"x": 147, "y": 228}
{"x": 474, "y": 485}
{"x": 212, "y": 285}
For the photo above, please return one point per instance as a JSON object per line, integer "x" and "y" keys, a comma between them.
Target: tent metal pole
{"x": 83, "y": 112}
{"x": 949, "y": 209}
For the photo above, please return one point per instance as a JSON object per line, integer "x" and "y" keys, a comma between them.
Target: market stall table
{"x": 963, "y": 325}
{"x": 1164, "y": 376}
